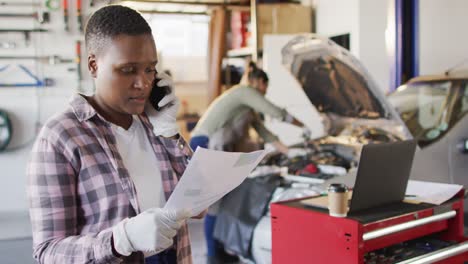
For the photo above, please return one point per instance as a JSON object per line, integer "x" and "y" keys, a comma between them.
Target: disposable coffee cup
{"x": 338, "y": 200}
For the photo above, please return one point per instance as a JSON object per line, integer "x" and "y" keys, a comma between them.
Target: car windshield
{"x": 422, "y": 107}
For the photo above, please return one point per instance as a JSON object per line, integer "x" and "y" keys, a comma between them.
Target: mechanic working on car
{"x": 102, "y": 170}
{"x": 226, "y": 122}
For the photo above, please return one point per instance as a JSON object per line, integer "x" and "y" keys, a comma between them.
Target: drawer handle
{"x": 438, "y": 255}
{"x": 408, "y": 225}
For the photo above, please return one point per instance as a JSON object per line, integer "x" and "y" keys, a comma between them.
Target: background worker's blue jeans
{"x": 210, "y": 220}
{"x": 168, "y": 256}
{"x": 199, "y": 141}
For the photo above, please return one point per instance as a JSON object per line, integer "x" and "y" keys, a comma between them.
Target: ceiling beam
{"x": 204, "y": 3}
{"x": 172, "y": 12}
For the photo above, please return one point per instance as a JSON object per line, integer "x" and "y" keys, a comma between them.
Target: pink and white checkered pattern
{"x": 78, "y": 187}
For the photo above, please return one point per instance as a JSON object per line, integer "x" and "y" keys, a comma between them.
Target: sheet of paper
{"x": 431, "y": 192}
{"x": 209, "y": 176}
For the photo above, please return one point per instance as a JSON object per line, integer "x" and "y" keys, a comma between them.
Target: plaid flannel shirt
{"x": 78, "y": 187}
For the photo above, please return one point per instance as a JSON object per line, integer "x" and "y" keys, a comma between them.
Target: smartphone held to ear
{"x": 158, "y": 93}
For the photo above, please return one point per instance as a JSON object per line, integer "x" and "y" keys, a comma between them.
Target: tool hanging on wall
{"x": 37, "y": 82}
{"x": 52, "y": 5}
{"x": 7, "y": 45}
{"x": 26, "y": 32}
{"x": 41, "y": 17}
{"x": 65, "y": 14}
{"x": 5, "y": 129}
{"x": 79, "y": 16}
{"x": 10, "y": 3}
{"x": 52, "y": 59}
{"x": 93, "y": 2}
{"x": 78, "y": 66}
{"x": 78, "y": 60}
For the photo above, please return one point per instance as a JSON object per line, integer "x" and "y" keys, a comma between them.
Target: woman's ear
{"x": 92, "y": 65}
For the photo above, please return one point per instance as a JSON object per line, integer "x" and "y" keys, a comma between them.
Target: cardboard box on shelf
{"x": 283, "y": 18}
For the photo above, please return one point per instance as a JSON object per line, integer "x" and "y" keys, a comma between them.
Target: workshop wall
{"x": 372, "y": 42}
{"x": 441, "y": 43}
{"x": 365, "y": 21}
{"x": 443, "y": 40}
{"x": 336, "y": 17}
{"x": 30, "y": 107}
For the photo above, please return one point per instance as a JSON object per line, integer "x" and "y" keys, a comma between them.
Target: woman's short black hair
{"x": 111, "y": 21}
{"x": 256, "y": 73}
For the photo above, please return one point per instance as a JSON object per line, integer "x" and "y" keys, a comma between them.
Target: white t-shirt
{"x": 142, "y": 164}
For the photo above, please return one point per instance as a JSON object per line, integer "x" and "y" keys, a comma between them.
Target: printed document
{"x": 431, "y": 192}
{"x": 209, "y": 176}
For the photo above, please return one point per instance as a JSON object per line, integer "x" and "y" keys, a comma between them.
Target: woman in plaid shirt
{"x": 100, "y": 172}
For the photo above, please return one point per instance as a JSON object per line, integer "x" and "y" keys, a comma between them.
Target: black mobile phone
{"x": 158, "y": 93}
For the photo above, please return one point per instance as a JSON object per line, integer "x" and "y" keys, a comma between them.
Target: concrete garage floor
{"x": 15, "y": 251}
{"x": 15, "y": 239}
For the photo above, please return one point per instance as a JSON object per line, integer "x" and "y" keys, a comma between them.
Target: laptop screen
{"x": 383, "y": 174}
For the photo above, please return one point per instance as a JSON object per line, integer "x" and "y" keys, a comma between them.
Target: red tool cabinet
{"x": 303, "y": 234}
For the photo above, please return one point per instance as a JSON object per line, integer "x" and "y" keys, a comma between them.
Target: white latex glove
{"x": 150, "y": 231}
{"x": 279, "y": 146}
{"x": 295, "y": 152}
{"x": 164, "y": 121}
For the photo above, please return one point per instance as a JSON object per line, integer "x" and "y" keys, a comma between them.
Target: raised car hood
{"x": 339, "y": 87}
{"x": 334, "y": 80}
